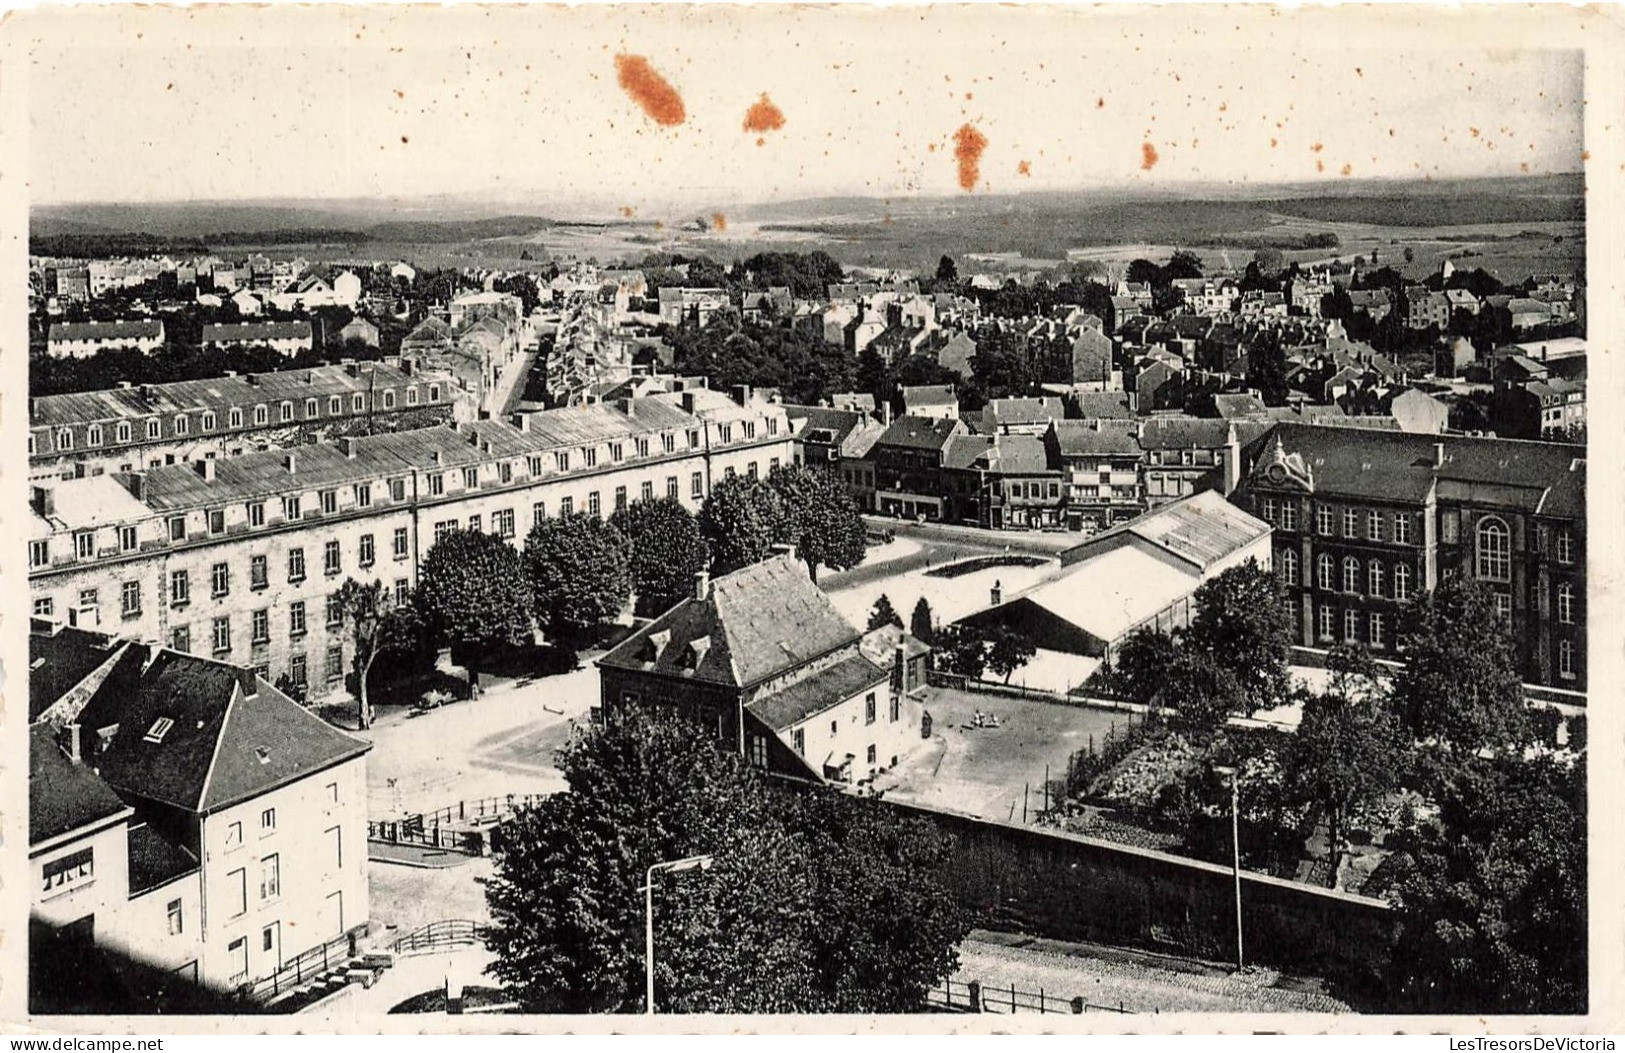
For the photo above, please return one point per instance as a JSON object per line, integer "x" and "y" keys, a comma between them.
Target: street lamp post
{"x": 1235, "y": 853}
{"x": 648, "y": 890}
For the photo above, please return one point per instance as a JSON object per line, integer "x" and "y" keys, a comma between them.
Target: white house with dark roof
{"x": 761, "y": 660}
{"x": 83, "y": 339}
{"x": 218, "y": 778}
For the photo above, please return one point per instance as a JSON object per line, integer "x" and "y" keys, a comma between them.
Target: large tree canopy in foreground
{"x": 817, "y": 902}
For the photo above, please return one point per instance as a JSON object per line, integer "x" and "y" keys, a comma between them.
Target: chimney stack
{"x": 1438, "y": 455}
{"x": 45, "y": 500}
{"x": 290, "y": 462}
{"x": 626, "y": 406}
{"x": 702, "y": 585}
{"x": 252, "y": 379}
{"x": 347, "y": 446}
{"x": 742, "y": 394}
{"x": 205, "y": 469}
{"x": 688, "y": 402}
{"x": 136, "y": 483}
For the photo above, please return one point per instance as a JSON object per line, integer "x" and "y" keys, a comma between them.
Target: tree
{"x": 920, "y": 624}
{"x": 1202, "y": 691}
{"x": 474, "y": 593}
{"x": 376, "y": 624}
{"x": 961, "y": 651}
{"x": 1183, "y": 264}
{"x": 819, "y": 517}
{"x": 1142, "y": 661}
{"x": 1491, "y": 904}
{"x": 947, "y": 270}
{"x": 666, "y": 551}
{"x": 882, "y": 614}
{"x": 1266, "y": 368}
{"x": 1348, "y": 750}
{"x": 579, "y": 574}
{"x": 739, "y": 523}
{"x": 1242, "y": 623}
{"x": 1007, "y": 651}
{"x": 1459, "y": 688}
{"x": 816, "y": 902}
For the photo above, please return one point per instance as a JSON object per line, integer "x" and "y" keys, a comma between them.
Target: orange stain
{"x": 627, "y": 211}
{"x": 1320, "y": 166}
{"x": 1348, "y": 170}
{"x": 1585, "y": 155}
{"x": 1100, "y": 104}
{"x": 1318, "y": 147}
{"x": 763, "y": 116}
{"x": 1273, "y": 144}
{"x": 1148, "y": 157}
{"x": 719, "y": 222}
{"x": 1474, "y": 131}
{"x": 1024, "y": 169}
{"x": 651, "y": 91}
{"x": 968, "y": 146}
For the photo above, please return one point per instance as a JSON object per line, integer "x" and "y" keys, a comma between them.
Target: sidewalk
{"x": 409, "y": 976}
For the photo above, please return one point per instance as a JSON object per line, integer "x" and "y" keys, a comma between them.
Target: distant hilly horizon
{"x": 470, "y": 214}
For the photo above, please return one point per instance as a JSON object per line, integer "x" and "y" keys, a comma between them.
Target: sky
{"x": 524, "y": 106}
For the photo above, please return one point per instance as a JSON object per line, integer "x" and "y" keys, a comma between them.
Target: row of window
{"x": 124, "y": 431}
{"x": 293, "y": 508}
{"x": 1373, "y": 576}
{"x": 1395, "y": 527}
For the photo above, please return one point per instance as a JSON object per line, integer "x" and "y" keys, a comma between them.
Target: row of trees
{"x": 577, "y": 571}
{"x": 1490, "y": 896}
{"x": 815, "y": 902}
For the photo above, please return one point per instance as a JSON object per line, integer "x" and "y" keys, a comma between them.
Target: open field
{"x": 1223, "y": 224}
{"x": 986, "y": 771}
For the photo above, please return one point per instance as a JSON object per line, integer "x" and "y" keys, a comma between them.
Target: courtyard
{"x": 992, "y": 771}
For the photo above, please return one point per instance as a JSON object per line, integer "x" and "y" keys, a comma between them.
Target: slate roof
{"x": 1075, "y": 438}
{"x": 59, "y": 661}
{"x": 154, "y": 861}
{"x": 756, "y": 623}
{"x": 919, "y": 433}
{"x": 218, "y": 394}
{"x": 224, "y": 744}
{"x": 63, "y": 796}
{"x": 965, "y": 452}
{"x": 144, "y": 329}
{"x": 930, "y": 395}
{"x": 1234, "y": 405}
{"x": 1183, "y": 433}
{"x": 1023, "y": 411}
{"x": 1387, "y": 465}
{"x": 1103, "y": 405}
{"x": 249, "y": 332}
{"x": 785, "y": 708}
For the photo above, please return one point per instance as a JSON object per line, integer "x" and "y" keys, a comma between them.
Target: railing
{"x": 482, "y": 808}
{"x": 973, "y": 997}
{"x": 409, "y": 832}
{"x": 331, "y": 955}
{"x": 454, "y": 933}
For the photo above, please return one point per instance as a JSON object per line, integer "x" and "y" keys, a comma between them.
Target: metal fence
{"x": 437, "y": 934}
{"x": 481, "y": 809}
{"x": 975, "y": 997}
{"x": 410, "y": 831}
{"x": 334, "y": 954}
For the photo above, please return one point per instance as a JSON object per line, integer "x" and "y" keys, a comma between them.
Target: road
{"x": 1139, "y": 982}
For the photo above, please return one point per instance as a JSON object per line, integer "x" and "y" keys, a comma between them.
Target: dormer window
{"x": 695, "y": 652}
{"x": 159, "y": 729}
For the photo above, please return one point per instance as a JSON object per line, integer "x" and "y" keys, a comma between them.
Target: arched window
{"x": 64, "y": 439}
{"x": 1373, "y": 578}
{"x": 182, "y": 424}
{"x": 1351, "y": 574}
{"x": 93, "y": 436}
{"x": 1565, "y": 603}
{"x": 123, "y": 431}
{"x": 1323, "y": 572}
{"x": 1402, "y": 581}
{"x": 1289, "y": 566}
{"x": 1494, "y": 550}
